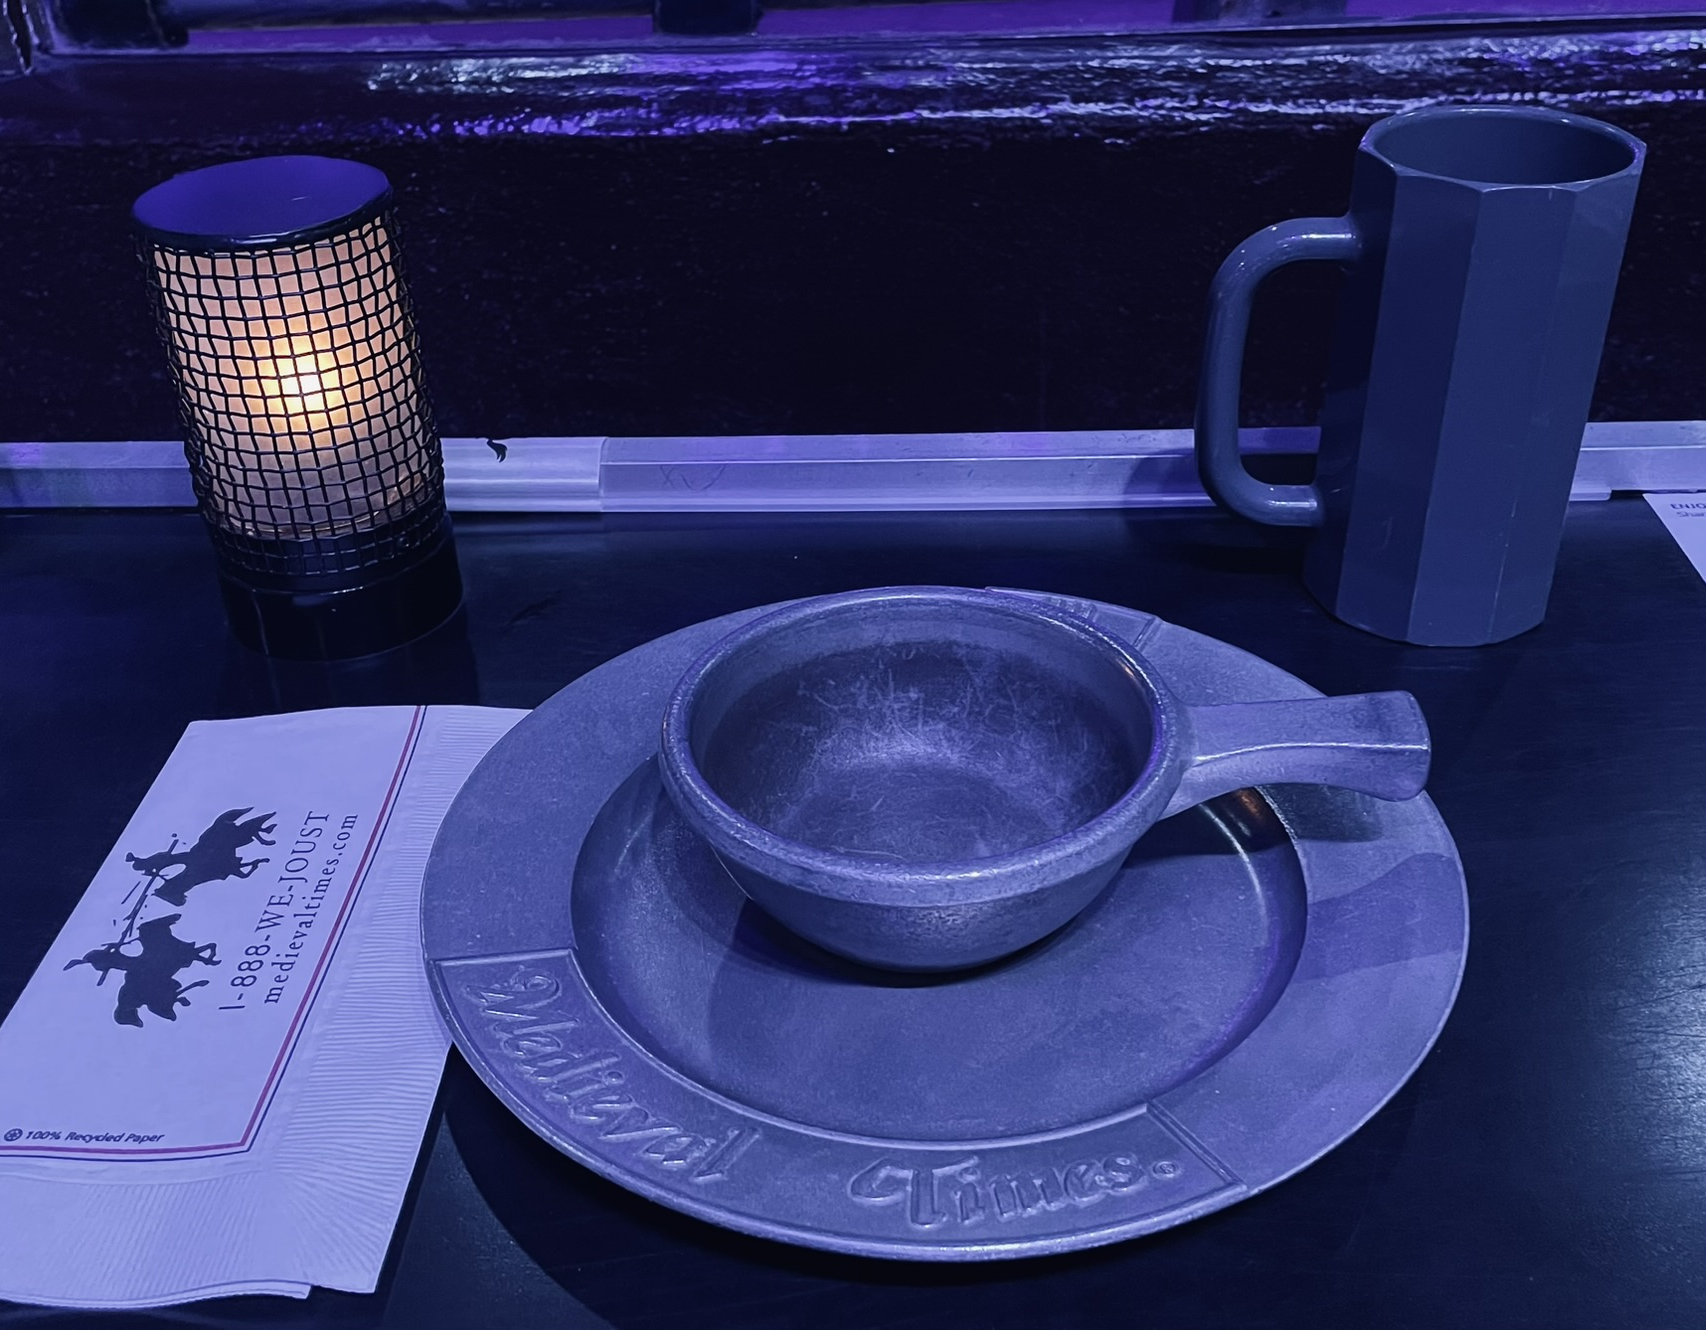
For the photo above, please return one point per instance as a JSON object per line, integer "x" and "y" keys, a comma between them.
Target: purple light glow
{"x": 933, "y": 17}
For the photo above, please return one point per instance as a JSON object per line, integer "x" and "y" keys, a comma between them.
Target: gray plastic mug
{"x": 1483, "y": 246}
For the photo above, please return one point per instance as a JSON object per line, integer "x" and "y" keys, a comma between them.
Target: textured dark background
{"x": 735, "y": 237}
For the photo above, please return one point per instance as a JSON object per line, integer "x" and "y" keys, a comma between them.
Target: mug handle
{"x": 1223, "y": 474}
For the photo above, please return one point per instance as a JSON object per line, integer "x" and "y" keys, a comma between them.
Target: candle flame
{"x": 297, "y": 370}
{"x": 304, "y": 386}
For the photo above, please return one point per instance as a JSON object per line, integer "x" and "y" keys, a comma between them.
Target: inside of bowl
{"x": 923, "y": 736}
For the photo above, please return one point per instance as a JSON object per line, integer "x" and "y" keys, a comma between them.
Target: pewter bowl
{"x": 930, "y": 778}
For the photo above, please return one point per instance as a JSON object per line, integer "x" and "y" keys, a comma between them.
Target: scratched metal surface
{"x": 1257, "y": 981}
{"x": 1541, "y": 1169}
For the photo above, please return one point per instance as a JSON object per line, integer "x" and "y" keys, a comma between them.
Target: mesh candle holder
{"x": 277, "y": 290}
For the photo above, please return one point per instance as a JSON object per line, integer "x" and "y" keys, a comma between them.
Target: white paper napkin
{"x": 218, "y": 1079}
{"x": 1684, "y": 516}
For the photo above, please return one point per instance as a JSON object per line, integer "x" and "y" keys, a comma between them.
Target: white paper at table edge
{"x": 1688, "y": 532}
{"x": 346, "y": 1186}
{"x": 278, "y": 1288}
{"x": 196, "y": 1217}
{"x": 287, "y": 1200}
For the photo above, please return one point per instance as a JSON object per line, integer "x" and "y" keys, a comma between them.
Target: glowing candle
{"x": 292, "y": 346}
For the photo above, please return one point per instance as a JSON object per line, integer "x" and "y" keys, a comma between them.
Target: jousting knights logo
{"x": 212, "y": 858}
{"x": 151, "y": 976}
{"x": 151, "y": 972}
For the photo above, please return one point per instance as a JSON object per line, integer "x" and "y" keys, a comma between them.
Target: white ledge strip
{"x": 814, "y": 473}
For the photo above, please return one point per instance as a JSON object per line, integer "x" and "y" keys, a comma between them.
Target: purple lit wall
{"x": 816, "y": 235}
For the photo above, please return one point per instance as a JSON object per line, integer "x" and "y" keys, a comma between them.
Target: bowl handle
{"x": 1375, "y": 743}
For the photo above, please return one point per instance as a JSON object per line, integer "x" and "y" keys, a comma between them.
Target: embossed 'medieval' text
{"x": 524, "y": 1025}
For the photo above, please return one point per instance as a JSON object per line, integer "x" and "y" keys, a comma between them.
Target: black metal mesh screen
{"x": 311, "y": 443}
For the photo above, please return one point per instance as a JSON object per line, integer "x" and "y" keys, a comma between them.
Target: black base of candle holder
{"x": 338, "y": 617}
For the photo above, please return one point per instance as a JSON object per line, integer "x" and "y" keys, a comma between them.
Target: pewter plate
{"x": 1262, "y": 976}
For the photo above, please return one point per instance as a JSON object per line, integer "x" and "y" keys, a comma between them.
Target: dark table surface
{"x": 1545, "y": 1167}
